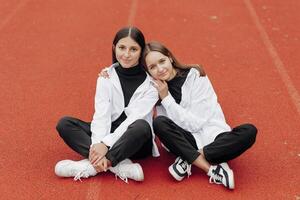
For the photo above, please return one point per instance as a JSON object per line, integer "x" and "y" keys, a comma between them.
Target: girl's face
{"x": 160, "y": 66}
{"x": 127, "y": 52}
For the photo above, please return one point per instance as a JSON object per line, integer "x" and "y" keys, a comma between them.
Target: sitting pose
{"x": 120, "y": 129}
{"x": 190, "y": 122}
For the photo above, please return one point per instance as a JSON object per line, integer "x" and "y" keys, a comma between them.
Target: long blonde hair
{"x": 156, "y": 46}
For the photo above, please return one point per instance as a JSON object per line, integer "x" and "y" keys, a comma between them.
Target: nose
{"x": 160, "y": 68}
{"x": 127, "y": 53}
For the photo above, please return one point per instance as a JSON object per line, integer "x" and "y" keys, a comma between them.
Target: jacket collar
{"x": 114, "y": 77}
{"x": 116, "y": 82}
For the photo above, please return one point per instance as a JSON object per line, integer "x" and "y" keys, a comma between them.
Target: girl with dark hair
{"x": 190, "y": 122}
{"x": 120, "y": 129}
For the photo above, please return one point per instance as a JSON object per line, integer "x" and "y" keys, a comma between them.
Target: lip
{"x": 126, "y": 61}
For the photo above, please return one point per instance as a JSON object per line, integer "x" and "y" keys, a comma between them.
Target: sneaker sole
{"x": 230, "y": 176}
{"x": 174, "y": 174}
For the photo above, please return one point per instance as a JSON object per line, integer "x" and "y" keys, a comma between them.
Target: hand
{"x": 101, "y": 165}
{"x": 97, "y": 152}
{"x": 162, "y": 88}
{"x": 104, "y": 73}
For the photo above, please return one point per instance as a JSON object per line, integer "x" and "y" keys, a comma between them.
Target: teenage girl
{"x": 120, "y": 129}
{"x": 190, "y": 121}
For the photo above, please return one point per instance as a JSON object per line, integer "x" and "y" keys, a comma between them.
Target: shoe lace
{"x": 216, "y": 177}
{"x": 122, "y": 176}
{"x": 81, "y": 174}
{"x": 186, "y": 167}
{"x": 189, "y": 170}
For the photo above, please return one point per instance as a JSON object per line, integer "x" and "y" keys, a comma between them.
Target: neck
{"x": 137, "y": 69}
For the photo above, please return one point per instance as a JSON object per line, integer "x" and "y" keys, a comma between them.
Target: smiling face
{"x": 127, "y": 52}
{"x": 160, "y": 66}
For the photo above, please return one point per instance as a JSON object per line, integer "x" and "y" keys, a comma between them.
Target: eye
{"x": 133, "y": 49}
{"x": 121, "y": 47}
{"x": 151, "y": 67}
{"x": 162, "y": 61}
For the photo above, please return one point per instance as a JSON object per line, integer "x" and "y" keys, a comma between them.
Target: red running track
{"x": 52, "y": 51}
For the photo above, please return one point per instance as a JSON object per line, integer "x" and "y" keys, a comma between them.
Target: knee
{"x": 159, "y": 123}
{"x": 251, "y": 131}
{"x": 143, "y": 128}
{"x": 62, "y": 125}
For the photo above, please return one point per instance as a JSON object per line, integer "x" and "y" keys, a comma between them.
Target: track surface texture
{"x": 52, "y": 51}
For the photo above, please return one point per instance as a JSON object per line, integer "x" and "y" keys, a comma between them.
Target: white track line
{"x": 275, "y": 57}
{"x": 132, "y": 12}
{"x": 94, "y": 188}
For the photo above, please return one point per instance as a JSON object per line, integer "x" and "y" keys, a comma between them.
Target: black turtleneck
{"x": 176, "y": 83}
{"x": 130, "y": 79}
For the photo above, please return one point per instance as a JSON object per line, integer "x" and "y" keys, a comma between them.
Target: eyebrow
{"x": 151, "y": 65}
{"x": 135, "y": 46}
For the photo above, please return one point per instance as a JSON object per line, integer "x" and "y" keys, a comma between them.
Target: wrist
{"x": 104, "y": 144}
{"x": 162, "y": 96}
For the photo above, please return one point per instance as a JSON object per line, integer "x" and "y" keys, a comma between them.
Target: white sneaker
{"x": 221, "y": 174}
{"x": 77, "y": 169}
{"x": 126, "y": 169}
{"x": 180, "y": 169}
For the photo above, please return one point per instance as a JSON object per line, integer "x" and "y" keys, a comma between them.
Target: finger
{"x": 158, "y": 83}
{"x": 99, "y": 166}
{"x": 92, "y": 148}
{"x": 92, "y": 155}
{"x": 104, "y": 73}
{"x": 96, "y": 160}
{"x": 105, "y": 165}
{"x": 98, "y": 169}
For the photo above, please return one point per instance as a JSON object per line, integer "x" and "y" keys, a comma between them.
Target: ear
{"x": 171, "y": 60}
{"x": 113, "y": 47}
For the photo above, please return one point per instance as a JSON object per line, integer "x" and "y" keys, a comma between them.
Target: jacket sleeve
{"x": 101, "y": 123}
{"x": 139, "y": 109}
{"x": 203, "y": 103}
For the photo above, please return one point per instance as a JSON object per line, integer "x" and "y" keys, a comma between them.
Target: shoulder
{"x": 111, "y": 72}
{"x": 105, "y": 82}
{"x": 111, "y": 69}
{"x": 197, "y": 82}
{"x": 195, "y": 74}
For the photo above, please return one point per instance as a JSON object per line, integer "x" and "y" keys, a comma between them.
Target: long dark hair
{"x": 156, "y": 46}
{"x": 132, "y": 32}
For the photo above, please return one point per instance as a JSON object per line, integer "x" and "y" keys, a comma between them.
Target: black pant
{"x": 226, "y": 146}
{"x": 135, "y": 143}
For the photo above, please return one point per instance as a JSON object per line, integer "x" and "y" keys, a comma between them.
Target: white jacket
{"x": 198, "y": 112}
{"x": 109, "y": 105}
